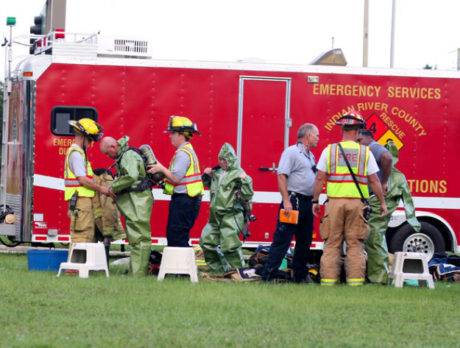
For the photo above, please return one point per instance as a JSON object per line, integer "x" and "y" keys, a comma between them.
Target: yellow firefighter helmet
{"x": 351, "y": 118}
{"x": 183, "y": 125}
{"x": 88, "y": 127}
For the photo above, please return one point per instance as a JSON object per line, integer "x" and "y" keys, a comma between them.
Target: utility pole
{"x": 392, "y": 45}
{"x": 458, "y": 58}
{"x": 366, "y": 33}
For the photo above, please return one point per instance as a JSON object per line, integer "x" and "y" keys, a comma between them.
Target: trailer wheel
{"x": 429, "y": 240}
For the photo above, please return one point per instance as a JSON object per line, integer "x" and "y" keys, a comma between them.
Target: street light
{"x": 11, "y": 21}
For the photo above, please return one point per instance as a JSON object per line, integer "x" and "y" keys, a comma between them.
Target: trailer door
{"x": 263, "y": 134}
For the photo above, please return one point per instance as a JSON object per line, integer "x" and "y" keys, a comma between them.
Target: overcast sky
{"x": 281, "y": 31}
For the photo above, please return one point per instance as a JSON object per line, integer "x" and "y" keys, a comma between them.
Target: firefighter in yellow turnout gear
{"x": 343, "y": 219}
{"x": 134, "y": 199}
{"x": 78, "y": 179}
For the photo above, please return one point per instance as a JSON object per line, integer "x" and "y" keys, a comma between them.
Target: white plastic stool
{"x": 177, "y": 260}
{"x": 93, "y": 256}
{"x": 408, "y": 265}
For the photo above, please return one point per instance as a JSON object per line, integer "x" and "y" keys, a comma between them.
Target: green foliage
{"x": 38, "y": 309}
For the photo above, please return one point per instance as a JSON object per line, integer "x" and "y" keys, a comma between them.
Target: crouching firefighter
{"x": 133, "y": 198}
{"x": 78, "y": 179}
{"x": 230, "y": 189}
{"x": 106, "y": 214}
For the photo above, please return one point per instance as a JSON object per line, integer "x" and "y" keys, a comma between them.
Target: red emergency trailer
{"x": 255, "y": 107}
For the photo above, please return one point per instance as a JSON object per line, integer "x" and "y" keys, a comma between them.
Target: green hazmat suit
{"x": 220, "y": 237}
{"x": 376, "y": 246}
{"x": 136, "y": 207}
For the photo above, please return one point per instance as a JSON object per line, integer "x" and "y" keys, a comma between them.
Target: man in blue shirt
{"x": 296, "y": 175}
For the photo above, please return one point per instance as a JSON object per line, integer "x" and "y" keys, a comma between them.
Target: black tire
{"x": 429, "y": 240}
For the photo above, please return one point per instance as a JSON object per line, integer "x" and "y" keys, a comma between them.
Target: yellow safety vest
{"x": 192, "y": 178}
{"x": 71, "y": 183}
{"x": 340, "y": 182}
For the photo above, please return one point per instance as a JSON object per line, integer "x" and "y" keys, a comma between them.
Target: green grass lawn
{"x": 37, "y": 309}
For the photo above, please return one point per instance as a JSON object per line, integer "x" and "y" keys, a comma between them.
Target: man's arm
{"x": 159, "y": 168}
{"x": 282, "y": 185}
{"x": 247, "y": 191}
{"x": 317, "y": 188}
{"x": 374, "y": 182}
{"x": 88, "y": 183}
{"x": 181, "y": 164}
{"x": 386, "y": 163}
{"x": 129, "y": 171}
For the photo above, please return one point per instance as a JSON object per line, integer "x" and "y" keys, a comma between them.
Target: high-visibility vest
{"x": 340, "y": 182}
{"x": 71, "y": 183}
{"x": 192, "y": 178}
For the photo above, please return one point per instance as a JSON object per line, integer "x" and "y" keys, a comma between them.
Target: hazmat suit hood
{"x": 228, "y": 153}
{"x": 122, "y": 144}
{"x": 391, "y": 146}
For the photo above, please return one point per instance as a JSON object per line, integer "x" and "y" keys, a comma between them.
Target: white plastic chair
{"x": 407, "y": 265}
{"x": 177, "y": 260}
{"x": 93, "y": 256}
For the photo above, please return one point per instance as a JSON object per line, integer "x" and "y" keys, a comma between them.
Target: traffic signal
{"x": 37, "y": 28}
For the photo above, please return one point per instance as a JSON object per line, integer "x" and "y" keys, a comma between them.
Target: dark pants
{"x": 283, "y": 236}
{"x": 183, "y": 211}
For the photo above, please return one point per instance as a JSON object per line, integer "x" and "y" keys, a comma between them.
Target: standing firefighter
{"x": 78, "y": 178}
{"x": 347, "y": 192}
{"x": 226, "y": 214}
{"x": 183, "y": 182}
{"x": 134, "y": 200}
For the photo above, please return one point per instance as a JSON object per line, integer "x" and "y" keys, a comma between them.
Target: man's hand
{"x": 108, "y": 192}
{"x": 156, "y": 168}
{"x": 287, "y": 207}
{"x": 316, "y": 208}
{"x": 383, "y": 210}
{"x": 317, "y": 188}
{"x": 89, "y": 183}
{"x": 242, "y": 175}
{"x": 385, "y": 188}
